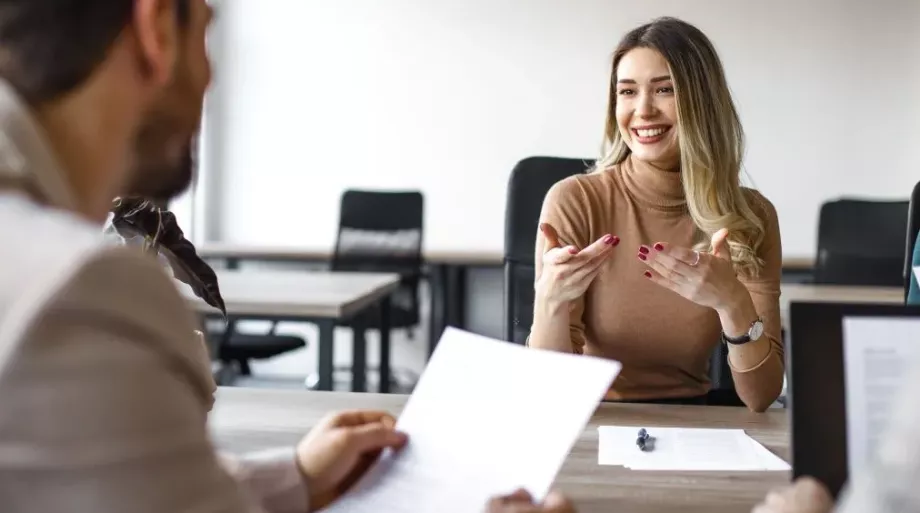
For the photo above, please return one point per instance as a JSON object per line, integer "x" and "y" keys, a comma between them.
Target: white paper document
{"x": 685, "y": 449}
{"x": 486, "y": 417}
{"x": 877, "y": 352}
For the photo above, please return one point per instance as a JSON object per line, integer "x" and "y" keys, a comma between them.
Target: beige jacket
{"x": 104, "y": 390}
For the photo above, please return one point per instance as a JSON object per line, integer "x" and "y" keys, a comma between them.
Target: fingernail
{"x": 616, "y": 240}
{"x": 643, "y": 249}
{"x": 573, "y": 251}
{"x": 647, "y": 274}
{"x": 608, "y": 239}
{"x": 659, "y": 246}
{"x": 642, "y": 257}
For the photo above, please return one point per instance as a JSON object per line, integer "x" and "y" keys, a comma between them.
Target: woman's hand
{"x": 707, "y": 279}
{"x": 568, "y": 271}
{"x": 805, "y": 495}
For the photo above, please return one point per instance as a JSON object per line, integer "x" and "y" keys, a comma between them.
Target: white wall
{"x": 317, "y": 96}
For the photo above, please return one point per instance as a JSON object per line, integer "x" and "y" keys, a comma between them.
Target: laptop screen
{"x": 846, "y": 363}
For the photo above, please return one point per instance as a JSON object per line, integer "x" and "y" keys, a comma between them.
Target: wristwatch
{"x": 753, "y": 333}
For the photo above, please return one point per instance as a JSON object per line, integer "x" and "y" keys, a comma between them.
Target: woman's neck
{"x": 655, "y": 185}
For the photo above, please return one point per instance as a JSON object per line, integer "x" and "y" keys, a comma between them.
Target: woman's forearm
{"x": 736, "y": 318}
{"x": 757, "y": 366}
{"x": 550, "y": 328}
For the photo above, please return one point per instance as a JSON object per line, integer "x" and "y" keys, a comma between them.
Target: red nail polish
{"x": 647, "y": 274}
{"x": 616, "y": 240}
{"x": 608, "y": 239}
{"x": 573, "y": 251}
{"x": 642, "y": 257}
{"x": 659, "y": 246}
{"x": 644, "y": 250}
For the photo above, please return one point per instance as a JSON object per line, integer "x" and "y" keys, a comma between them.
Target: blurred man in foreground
{"x": 103, "y": 397}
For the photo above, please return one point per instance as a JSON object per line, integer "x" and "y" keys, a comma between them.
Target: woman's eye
{"x": 665, "y": 90}
{"x": 625, "y": 92}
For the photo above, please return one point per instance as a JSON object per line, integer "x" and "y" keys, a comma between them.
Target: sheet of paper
{"x": 876, "y": 354}
{"x": 685, "y": 449}
{"x": 486, "y": 417}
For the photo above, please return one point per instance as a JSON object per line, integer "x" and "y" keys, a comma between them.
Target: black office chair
{"x": 913, "y": 224}
{"x": 861, "y": 242}
{"x": 530, "y": 180}
{"x": 381, "y": 231}
{"x": 240, "y": 348}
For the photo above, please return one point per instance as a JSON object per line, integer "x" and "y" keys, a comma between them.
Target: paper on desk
{"x": 685, "y": 449}
{"x": 486, "y": 417}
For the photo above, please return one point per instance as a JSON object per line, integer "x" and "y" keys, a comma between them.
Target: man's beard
{"x": 157, "y": 175}
{"x": 162, "y": 169}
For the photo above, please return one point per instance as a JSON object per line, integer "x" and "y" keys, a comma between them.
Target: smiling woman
{"x": 659, "y": 254}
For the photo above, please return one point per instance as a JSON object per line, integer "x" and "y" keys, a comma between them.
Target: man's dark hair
{"x": 50, "y": 47}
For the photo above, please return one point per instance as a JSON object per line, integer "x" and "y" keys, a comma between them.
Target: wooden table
{"x": 446, "y": 271}
{"x": 324, "y": 298}
{"x": 251, "y": 419}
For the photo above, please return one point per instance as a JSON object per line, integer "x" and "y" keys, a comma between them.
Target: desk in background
{"x": 252, "y": 419}
{"x": 447, "y": 272}
{"x": 318, "y": 297}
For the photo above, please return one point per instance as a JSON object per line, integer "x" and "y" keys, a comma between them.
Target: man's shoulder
{"x": 42, "y": 249}
{"x": 58, "y": 268}
{"x": 52, "y": 256}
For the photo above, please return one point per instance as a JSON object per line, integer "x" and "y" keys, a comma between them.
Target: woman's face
{"x": 646, "y": 109}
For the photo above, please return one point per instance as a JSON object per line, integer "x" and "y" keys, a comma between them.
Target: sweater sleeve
{"x": 566, "y": 209}
{"x": 759, "y": 379}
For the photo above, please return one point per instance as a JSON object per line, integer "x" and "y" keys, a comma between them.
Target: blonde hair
{"x": 710, "y": 135}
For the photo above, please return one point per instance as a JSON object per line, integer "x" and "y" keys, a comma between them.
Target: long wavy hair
{"x": 711, "y": 139}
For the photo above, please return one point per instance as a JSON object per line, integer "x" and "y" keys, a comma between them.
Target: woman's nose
{"x": 646, "y": 107}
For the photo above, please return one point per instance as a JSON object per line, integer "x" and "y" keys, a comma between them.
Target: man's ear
{"x": 156, "y": 29}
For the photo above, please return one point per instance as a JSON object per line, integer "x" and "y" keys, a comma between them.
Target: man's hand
{"x": 805, "y": 495}
{"x": 521, "y": 502}
{"x": 341, "y": 448}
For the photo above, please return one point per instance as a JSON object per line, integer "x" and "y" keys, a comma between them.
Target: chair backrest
{"x": 530, "y": 180}
{"x": 381, "y": 231}
{"x": 913, "y": 225}
{"x": 861, "y": 242}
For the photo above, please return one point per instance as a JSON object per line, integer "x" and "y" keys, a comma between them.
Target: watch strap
{"x": 744, "y": 338}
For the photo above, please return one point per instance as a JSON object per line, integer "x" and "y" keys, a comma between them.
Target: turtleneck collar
{"x": 654, "y": 187}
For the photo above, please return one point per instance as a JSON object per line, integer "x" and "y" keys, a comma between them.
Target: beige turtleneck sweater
{"x": 663, "y": 340}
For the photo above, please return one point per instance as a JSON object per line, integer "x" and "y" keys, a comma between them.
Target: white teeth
{"x": 651, "y": 132}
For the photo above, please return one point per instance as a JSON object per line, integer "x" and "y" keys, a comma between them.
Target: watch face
{"x": 756, "y": 330}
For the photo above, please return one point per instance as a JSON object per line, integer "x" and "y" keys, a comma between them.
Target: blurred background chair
{"x": 236, "y": 351}
{"x": 530, "y": 180}
{"x": 381, "y": 232}
{"x": 861, "y": 242}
